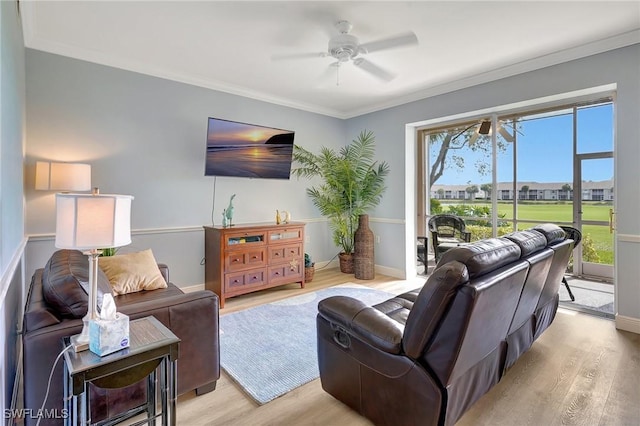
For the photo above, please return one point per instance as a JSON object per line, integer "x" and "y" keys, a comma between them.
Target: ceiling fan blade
{"x": 293, "y": 56}
{"x": 374, "y": 69}
{"x": 400, "y": 40}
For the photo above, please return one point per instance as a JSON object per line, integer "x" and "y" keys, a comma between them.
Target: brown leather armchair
{"x": 193, "y": 317}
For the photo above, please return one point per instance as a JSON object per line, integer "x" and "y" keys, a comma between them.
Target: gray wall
{"x": 12, "y": 104}
{"x": 621, "y": 66}
{"x": 145, "y": 136}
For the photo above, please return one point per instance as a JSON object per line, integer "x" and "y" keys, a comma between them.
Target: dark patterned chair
{"x": 576, "y": 236}
{"x": 447, "y": 231}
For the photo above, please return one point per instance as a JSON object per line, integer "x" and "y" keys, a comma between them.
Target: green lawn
{"x": 555, "y": 212}
{"x": 550, "y": 212}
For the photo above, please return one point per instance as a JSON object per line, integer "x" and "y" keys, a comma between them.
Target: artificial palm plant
{"x": 352, "y": 183}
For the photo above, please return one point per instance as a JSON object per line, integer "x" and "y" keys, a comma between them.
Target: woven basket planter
{"x": 309, "y": 271}
{"x": 346, "y": 263}
{"x": 363, "y": 255}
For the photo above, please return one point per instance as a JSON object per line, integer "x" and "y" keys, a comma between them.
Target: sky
{"x": 545, "y": 147}
{"x": 224, "y": 132}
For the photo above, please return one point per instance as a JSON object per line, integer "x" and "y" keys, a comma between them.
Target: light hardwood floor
{"x": 581, "y": 371}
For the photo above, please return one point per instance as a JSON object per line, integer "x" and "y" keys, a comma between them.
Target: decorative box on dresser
{"x": 244, "y": 258}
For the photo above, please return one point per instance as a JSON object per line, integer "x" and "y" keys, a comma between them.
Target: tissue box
{"x": 108, "y": 336}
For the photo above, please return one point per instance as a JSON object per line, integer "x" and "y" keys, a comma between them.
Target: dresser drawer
{"x": 245, "y": 239}
{"x": 244, "y": 280}
{"x": 284, "y": 234}
{"x": 240, "y": 260}
{"x": 286, "y": 272}
{"x": 284, "y": 252}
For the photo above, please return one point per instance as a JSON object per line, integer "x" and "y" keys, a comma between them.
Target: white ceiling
{"x": 229, "y": 46}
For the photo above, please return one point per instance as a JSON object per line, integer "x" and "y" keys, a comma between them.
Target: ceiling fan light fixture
{"x": 343, "y": 47}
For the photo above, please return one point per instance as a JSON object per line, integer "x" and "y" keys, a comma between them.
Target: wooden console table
{"x": 244, "y": 258}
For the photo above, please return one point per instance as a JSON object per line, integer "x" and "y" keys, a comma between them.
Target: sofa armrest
{"x": 363, "y": 322}
{"x": 164, "y": 270}
{"x": 193, "y": 318}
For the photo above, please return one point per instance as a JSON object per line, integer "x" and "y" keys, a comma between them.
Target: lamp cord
{"x": 213, "y": 201}
{"x": 213, "y": 205}
{"x": 329, "y": 262}
{"x": 46, "y": 394}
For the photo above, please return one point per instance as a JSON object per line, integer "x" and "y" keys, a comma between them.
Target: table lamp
{"x": 52, "y": 176}
{"x": 89, "y": 222}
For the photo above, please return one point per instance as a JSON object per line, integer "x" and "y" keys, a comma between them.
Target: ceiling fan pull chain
{"x": 338, "y": 74}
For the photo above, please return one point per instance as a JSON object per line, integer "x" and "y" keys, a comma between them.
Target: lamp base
{"x": 78, "y": 343}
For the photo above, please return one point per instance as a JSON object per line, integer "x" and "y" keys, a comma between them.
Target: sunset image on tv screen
{"x": 246, "y": 150}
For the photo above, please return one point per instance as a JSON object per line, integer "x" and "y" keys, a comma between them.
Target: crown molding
{"x": 543, "y": 61}
{"x": 32, "y": 41}
{"x": 145, "y": 69}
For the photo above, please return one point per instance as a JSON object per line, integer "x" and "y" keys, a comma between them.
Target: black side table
{"x": 151, "y": 345}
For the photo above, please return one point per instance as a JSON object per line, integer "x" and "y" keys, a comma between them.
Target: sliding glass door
{"x": 550, "y": 166}
{"x": 594, "y": 182}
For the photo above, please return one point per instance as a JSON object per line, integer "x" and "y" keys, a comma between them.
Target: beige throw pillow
{"x": 132, "y": 272}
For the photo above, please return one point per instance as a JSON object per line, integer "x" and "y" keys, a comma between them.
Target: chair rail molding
{"x": 10, "y": 271}
{"x": 629, "y": 238}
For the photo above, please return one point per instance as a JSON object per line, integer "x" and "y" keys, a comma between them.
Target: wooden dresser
{"x": 246, "y": 258}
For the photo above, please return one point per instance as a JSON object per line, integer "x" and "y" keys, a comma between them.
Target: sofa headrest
{"x": 483, "y": 256}
{"x": 529, "y": 241}
{"x": 431, "y": 304}
{"x": 65, "y": 283}
{"x": 553, "y": 233}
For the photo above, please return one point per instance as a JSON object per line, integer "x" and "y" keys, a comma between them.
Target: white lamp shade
{"x": 86, "y": 221}
{"x": 52, "y": 176}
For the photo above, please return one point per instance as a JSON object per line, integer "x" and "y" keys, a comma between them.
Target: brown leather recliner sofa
{"x": 424, "y": 357}
{"x": 193, "y": 317}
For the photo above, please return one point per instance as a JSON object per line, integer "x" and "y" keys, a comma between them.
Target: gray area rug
{"x": 271, "y": 349}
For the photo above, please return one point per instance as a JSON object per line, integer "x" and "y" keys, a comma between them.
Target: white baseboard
{"x": 327, "y": 264}
{"x": 392, "y": 272}
{"x": 628, "y": 324}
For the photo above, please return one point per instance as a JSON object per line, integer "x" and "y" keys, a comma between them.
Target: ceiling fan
{"x": 345, "y": 47}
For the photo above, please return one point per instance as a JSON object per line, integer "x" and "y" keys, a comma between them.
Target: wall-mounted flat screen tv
{"x": 247, "y": 150}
